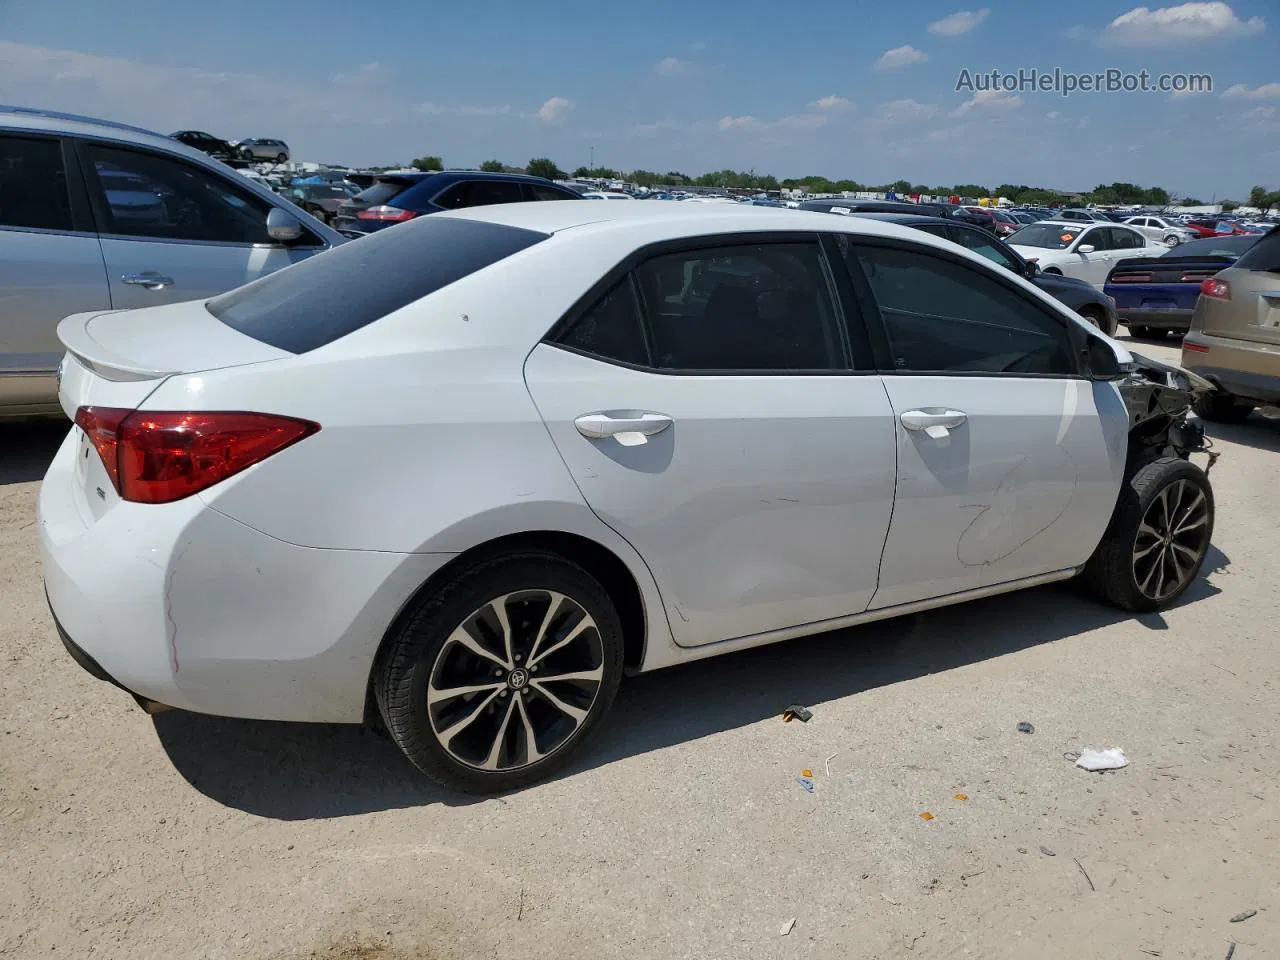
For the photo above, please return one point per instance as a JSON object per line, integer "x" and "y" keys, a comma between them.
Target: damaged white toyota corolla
{"x": 459, "y": 477}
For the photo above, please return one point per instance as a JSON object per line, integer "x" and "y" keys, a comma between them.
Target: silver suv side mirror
{"x": 283, "y": 226}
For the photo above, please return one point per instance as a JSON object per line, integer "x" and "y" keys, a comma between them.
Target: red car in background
{"x": 1216, "y": 227}
{"x": 997, "y": 221}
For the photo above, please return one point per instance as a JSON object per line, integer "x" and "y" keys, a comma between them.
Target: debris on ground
{"x": 806, "y": 782}
{"x": 1241, "y": 917}
{"x": 962, "y": 796}
{"x": 1024, "y": 727}
{"x": 828, "y": 762}
{"x": 787, "y": 927}
{"x": 1086, "y": 874}
{"x": 1112, "y": 758}
{"x": 1047, "y": 852}
{"x": 797, "y": 712}
{"x": 1231, "y": 950}
{"x": 926, "y": 816}
{"x": 1022, "y": 849}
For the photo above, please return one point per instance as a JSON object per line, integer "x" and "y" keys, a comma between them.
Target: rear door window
{"x": 325, "y": 297}
{"x": 382, "y": 191}
{"x": 33, "y": 184}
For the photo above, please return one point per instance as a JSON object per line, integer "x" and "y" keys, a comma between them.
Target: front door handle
{"x": 630, "y": 431}
{"x": 149, "y": 279}
{"x": 935, "y": 422}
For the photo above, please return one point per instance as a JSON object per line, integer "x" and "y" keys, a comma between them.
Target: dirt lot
{"x": 683, "y": 832}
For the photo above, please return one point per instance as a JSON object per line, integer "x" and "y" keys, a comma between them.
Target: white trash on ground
{"x": 1112, "y": 758}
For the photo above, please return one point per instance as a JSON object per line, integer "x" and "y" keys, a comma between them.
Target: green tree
{"x": 1229, "y": 205}
{"x": 900, "y": 186}
{"x": 1258, "y": 198}
{"x": 544, "y": 167}
{"x": 1270, "y": 201}
{"x": 427, "y": 163}
{"x": 848, "y": 186}
{"x": 971, "y": 190}
{"x": 597, "y": 173}
{"x": 675, "y": 178}
{"x": 493, "y": 166}
{"x": 645, "y": 178}
{"x": 1189, "y": 202}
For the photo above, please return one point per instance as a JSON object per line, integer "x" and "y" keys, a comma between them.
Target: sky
{"x": 860, "y": 90}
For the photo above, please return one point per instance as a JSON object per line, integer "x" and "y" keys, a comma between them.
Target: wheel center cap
{"x": 518, "y": 678}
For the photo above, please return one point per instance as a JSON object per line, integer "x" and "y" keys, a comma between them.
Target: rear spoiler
{"x": 74, "y": 334}
{"x": 1147, "y": 262}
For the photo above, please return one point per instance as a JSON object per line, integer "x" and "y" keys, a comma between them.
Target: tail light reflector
{"x": 159, "y": 457}
{"x": 1131, "y": 278}
{"x": 1194, "y": 347}
{"x": 386, "y": 213}
{"x": 1217, "y": 289}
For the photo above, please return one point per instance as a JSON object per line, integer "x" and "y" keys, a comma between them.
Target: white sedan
{"x": 1169, "y": 232}
{"x": 459, "y": 477}
{"x": 1086, "y": 251}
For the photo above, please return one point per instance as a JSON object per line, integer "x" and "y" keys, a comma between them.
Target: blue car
{"x": 396, "y": 197}
{"x": 1156, "y": 296}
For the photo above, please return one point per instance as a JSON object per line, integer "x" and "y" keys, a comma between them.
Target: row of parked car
{"x": 97, "y": 216}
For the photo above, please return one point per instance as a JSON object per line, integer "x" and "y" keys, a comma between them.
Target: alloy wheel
{"x": 1172, "y": 540}
{"x": 515, "y": 680}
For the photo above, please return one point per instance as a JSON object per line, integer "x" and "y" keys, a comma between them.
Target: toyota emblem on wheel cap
{"x": 519, "y": 677}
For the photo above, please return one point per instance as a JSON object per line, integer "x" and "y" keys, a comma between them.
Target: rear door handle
{"x": 935, "y": 422}
{"x": 149, "y": 279}
{"x": 630, "y": 431}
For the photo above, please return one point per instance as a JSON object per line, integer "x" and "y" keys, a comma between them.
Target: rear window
{"x": 1263, "y": 256}
{"x": 381, "y": 192}
{"x": 337, "y": 292}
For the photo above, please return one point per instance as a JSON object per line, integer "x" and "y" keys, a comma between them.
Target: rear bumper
{"x": 1239, "y": 367}
{"x": 1177, "y": 318}
{"x": 181, "y": 605}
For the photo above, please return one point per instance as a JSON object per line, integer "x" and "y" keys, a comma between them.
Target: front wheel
{"x": 281, "y": 157}
{"x": 502, "y": 673}
{"x": 1172, "y": 240}
{"x": 1157, "y": 539}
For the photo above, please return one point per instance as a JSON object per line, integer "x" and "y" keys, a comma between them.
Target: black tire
{"x": 1053, "y": 271}
{"x": 1096, "y": 317}
{"x": 416, "y": 656}
{"x": 1116, "y": 573}
{"x": 1219, "y": 407}
{"x": 282, "y": 158}
{"x": 1139, "y": 331}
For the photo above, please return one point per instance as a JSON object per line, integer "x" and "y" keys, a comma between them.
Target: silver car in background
{"x": 101, "y": 216}
{"x": 263, "y": 148}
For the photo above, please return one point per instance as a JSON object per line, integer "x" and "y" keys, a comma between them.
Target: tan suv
{"x": 1234, "y": 340}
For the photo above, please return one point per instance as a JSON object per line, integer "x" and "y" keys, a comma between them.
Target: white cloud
{"x": 364, "y": 75}
{"x": 1259, "y": 113}
{"x": 1186, "y": 94}
{"x": 1075, "y": 32}
{"x": 671, "y": 67}
{"x": 988, "y": 101}
{"x": 555, "y": 110}
{"x": 832, "y": 102}
{"x": 904, "y": 111}
{"x": 1268, "y": 91}
{"x": 1082, "y": 123}
{"x": 735, "y": 123}
{"x": 902, "y": 56}
{"x": 1052, "y": 114}
{"x": 464, "y": 110}
{"x": 962, "y": 21}
{"x": 1188, "y": 23}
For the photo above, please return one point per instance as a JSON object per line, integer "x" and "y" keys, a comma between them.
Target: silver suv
{"x": 102, "y": 216}
{"x": 259, "y": 148}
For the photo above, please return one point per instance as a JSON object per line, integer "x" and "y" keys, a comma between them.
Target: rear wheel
{"x": 1220, "y": 407}
{"x": 1095, "y": 317}
{"x": 281, "y": 157}
{"x": 1139, "y": 331}
{"x": 1157, "y": 539}
{"x": 1172, "y": 240}
{"x": 502, "y": 673}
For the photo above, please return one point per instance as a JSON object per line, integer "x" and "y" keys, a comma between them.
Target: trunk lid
{"x": 118, "y": 358}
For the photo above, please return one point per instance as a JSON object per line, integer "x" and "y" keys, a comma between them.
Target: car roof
{"x": 911, "y": 219}
{"x": 35, "y": 120}
{"x": 1073, "y": 224}
{"x": 656, "y": 222}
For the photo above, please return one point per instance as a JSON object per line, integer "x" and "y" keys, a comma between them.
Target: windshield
{"x": 1213, "y": 247}
{"x": 1049, "y": 236}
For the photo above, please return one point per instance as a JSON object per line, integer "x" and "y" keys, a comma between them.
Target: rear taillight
{"x": 385, "y": 213}
{"x": 1130, "y": 278}
{"x": 159, "y": 457}
{"x": 1217, "y": 289}
{"x": 1194, "y": 347}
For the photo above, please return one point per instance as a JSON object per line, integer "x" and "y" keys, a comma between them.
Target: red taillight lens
{"x": 159, "y": 457}
{"x": 1194, "y": 347}
{"x": 1131, "y": 278}
{"x": 391, "y": 214}
{"x": 102, "y": 426}
{"x": 1217, "y": 289}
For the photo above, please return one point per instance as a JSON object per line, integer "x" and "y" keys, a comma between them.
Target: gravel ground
{"x": 683, "y": 832}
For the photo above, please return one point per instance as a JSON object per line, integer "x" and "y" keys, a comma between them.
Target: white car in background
{"x": 606, "y": 195}
{"x": 1169, "y": 232}
{"x": 1086, "y": 251}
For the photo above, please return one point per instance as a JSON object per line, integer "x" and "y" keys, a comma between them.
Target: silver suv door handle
{"x": 628, "y": 431}
{"x": 936, "y": 422}
{"x": 150, "y": 279}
